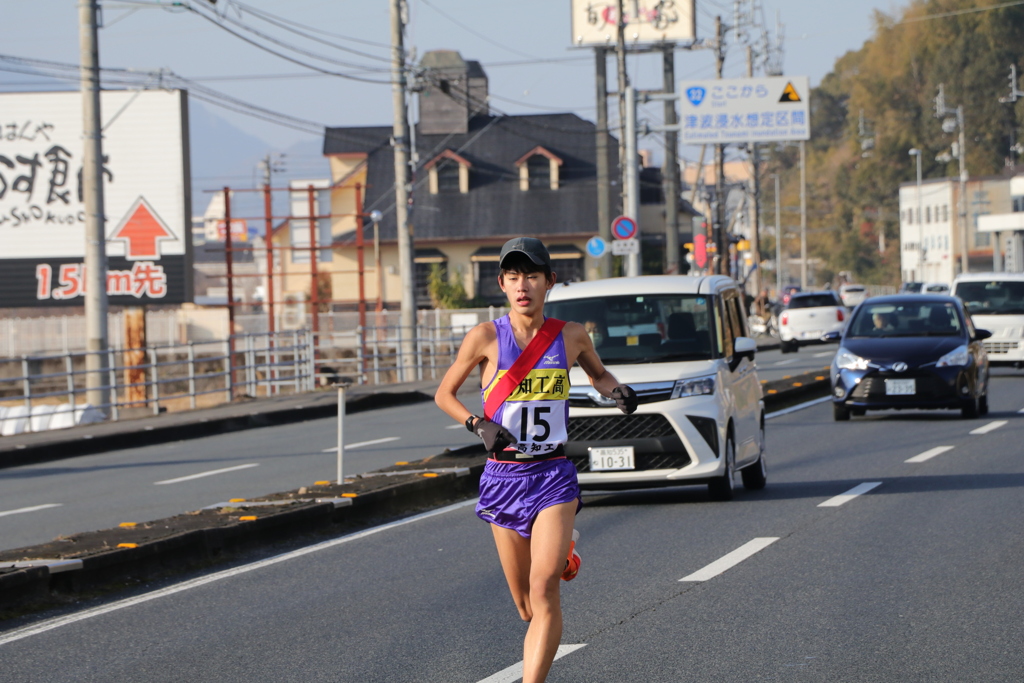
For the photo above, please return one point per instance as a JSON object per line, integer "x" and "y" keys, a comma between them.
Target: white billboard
{"x": 146, "y": 196}
{"x": 657, "y": 21}
{"x": 744, "y": 110}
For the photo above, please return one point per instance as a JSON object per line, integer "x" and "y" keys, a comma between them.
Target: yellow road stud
{"x": 247, "y": 518}
{"x": 127, "y": 525}
{"x": 127, "y": 545}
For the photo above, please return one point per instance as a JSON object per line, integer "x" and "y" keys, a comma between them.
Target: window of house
{"x": 927, "y": 214}
{"x": 539, "y": 168}
{"x": 423, "y": 282}
{"x": 569, "y": 270}
{"x": 448, "y": 176}
{"x": 945, "y": 213}
{"x": 487, "y": 281}
{"x": 982, "y": 239}
{"x": 1018, "y": 203}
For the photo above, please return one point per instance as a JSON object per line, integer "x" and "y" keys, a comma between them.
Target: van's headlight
{"x": 957, "y": 357}
{"x": 695, "y": 386}
{"x": 851, "y": 361}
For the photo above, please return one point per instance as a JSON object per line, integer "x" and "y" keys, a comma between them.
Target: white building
{"x": 931, "y": 233}
{"x": 1007, "y": 230}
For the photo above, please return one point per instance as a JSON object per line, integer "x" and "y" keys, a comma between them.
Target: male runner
{"x": 528, "y": 491}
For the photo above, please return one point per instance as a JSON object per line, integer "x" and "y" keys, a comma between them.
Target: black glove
{"x": 495, "y": 437}
{"x": 625, "y": 398}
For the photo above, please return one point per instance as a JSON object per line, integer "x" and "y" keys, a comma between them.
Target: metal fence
{"x": 158, "y": 377}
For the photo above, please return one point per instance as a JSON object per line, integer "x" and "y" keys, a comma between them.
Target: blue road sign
{"x": 596, "y": 247}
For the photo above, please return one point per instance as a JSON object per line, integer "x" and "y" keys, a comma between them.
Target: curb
{"x": 131, "y": 436}
{"x": 401, "y": 490}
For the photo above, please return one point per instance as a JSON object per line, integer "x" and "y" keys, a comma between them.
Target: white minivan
{"x": 681, "y": 342}
{"x": 996, "y": 303}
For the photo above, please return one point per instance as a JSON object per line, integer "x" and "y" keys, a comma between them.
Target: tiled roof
{"x": 494, "y": 207}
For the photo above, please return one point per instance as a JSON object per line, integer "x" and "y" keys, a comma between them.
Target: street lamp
{"x": 920, "y": 227}
{"x": 375, "y": 216}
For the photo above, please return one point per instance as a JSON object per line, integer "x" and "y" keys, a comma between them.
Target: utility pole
{"x": 721, "y": 239}
{"x": 631, "y": 207}
{"x": 604, "y": 227}
{"x": 941, "y": 110}
{"x": 623, "y": 82}
{"x": 96, "y": 378}
{"x": 400, "y": 142}
{"x": 670, "y": 170}
{"x": 778, "y": 239}
{"x": 755, "y": 223}
{"x": 803, "y": 215}
{"x": 1015, "y": 94}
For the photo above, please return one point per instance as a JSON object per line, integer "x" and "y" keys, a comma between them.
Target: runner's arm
{"x": 471, "y": 354}
{"x": 588, "y": 359}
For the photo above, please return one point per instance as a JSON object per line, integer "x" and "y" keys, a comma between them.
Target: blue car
{"x": 910, "y": 352}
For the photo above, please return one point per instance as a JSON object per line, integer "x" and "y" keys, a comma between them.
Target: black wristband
{"x": 470, "y": 422}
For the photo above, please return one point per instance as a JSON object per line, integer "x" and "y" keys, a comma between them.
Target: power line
{"x": 476, "y": 33}
{"x": 954, "y": 13}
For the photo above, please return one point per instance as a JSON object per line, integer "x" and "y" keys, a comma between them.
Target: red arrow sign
{"x": 142, "y": 229}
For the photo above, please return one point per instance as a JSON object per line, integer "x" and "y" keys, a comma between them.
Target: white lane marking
{"x": 929, "y": 454}
{"x": 732, "y": 559}
{"x": 991, "y": 426}
{"x": 824, "y": 353}
{"x": 515, "y": 672}
{"x": 30, "y": 509}
{"x": 57, "y": 622}
{"x": 787, "y": 411}
{"x": 334, "y": 449}
{"x": 784, "y": 362}
{"x": 205, "y": 474}
{"x": 464, "y": 426}
{"x": 857, "y": 490}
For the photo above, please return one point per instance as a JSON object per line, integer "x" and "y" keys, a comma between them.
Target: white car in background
{"x": 808, "y": 316}
{"x": 682, "y": 344}
{"x": 852, "y": 294}
{"x": 996, "y": 303}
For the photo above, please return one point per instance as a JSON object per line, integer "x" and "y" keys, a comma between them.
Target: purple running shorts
{"x": 512, "y": 494}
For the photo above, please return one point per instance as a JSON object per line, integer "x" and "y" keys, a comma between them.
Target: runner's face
{"x": 525, "y": 291}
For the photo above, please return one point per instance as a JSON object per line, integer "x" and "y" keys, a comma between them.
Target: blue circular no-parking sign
{"x": 596, "y": 247}
{"x": 624, "y": 228}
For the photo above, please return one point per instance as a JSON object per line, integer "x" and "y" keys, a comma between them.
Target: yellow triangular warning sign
{"x": 789, "y": 94}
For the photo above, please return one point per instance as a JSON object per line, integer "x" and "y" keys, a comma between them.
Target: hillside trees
{"x": 892, "y": 81}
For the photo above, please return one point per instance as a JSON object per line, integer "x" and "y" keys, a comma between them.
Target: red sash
{"x": 526, "y": 362}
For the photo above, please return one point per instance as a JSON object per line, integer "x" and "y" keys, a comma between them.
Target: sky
{"x": 512, "y": 39}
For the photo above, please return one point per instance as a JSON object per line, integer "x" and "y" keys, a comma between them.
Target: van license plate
{"x": 900, "y": 387}
{"x": 608, "y": 459}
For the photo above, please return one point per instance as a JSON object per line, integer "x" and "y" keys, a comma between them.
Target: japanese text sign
{"x": 744, "y": 110}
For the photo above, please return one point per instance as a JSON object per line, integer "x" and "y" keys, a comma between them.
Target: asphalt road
{"x": 912, "y": 575}
{"x": 40, "y": 502}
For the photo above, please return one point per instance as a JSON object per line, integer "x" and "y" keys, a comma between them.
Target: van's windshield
{"x": 649, "y": 328}
{"x": 996, "y": 297}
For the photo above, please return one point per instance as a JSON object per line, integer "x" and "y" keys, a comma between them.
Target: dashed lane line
{"x": 929, "y": 454}
{"x": 802, "y": 406}
{"x": 455, "y": 427}
{"x": 515, "y": 672}
{"x": 374, "y": 442}
{"x": 991, "y": 426}
{"x": 784, "y": 362}
{"x": 34, "y": 508}
{"x": 206, "y": 474}
{"x": 57, "y": 622}
{"x": 826, "y": 353}
{"x": 732, "y": 559}
{"x": 844, "y": 498}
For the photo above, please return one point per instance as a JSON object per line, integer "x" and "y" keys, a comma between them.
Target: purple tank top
{"x": 537, "y": 412}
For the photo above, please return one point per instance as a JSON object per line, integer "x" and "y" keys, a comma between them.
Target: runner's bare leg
{"x": 549, "y": 547}
{"x": 514, "y": 553}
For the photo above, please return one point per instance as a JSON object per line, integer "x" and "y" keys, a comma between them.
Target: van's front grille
{"x": 1000, "y": 346}
{"x": 616, "y": 427}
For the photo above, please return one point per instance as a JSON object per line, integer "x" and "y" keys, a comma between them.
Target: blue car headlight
{"x": 958, "y": 357}
{"x": 695, "y": 386}
{"x": 848, "y": 360}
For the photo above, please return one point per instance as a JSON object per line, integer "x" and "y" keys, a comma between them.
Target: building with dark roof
{"x": 481, "y": 179}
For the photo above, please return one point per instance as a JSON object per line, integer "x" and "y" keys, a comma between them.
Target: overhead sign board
{"x": 744, "y": 110}
{"x": 146, "y": 198}
{"x": 656, "y": 21}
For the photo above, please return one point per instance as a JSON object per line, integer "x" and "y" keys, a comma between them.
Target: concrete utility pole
{"x": 755, "y": 223}
{"x": 941, "y": 111}
{"x": 803, "y": 215}
{"x": 623, "y": 83}
{"x": 920, "y": 224}
{"x": 670, "y": 170}
{"x": 604, "y": 219}
{"x": 400, "y": 142}
{"x": 96, "y": 378}
{"x": 721, "y": 239}
{"x": 778, "y": 240}
{"x": 631, "y": 206}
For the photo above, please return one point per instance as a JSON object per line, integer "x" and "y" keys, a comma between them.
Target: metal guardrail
{"x": 246, "y": 364}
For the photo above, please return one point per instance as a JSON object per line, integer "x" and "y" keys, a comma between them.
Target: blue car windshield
{"x": 906, "y": 319}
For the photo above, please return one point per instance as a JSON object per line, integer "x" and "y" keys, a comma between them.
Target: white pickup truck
{"x": 808, "y": 316}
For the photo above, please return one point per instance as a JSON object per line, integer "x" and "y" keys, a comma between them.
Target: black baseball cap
{"x": 532, "y": 247}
